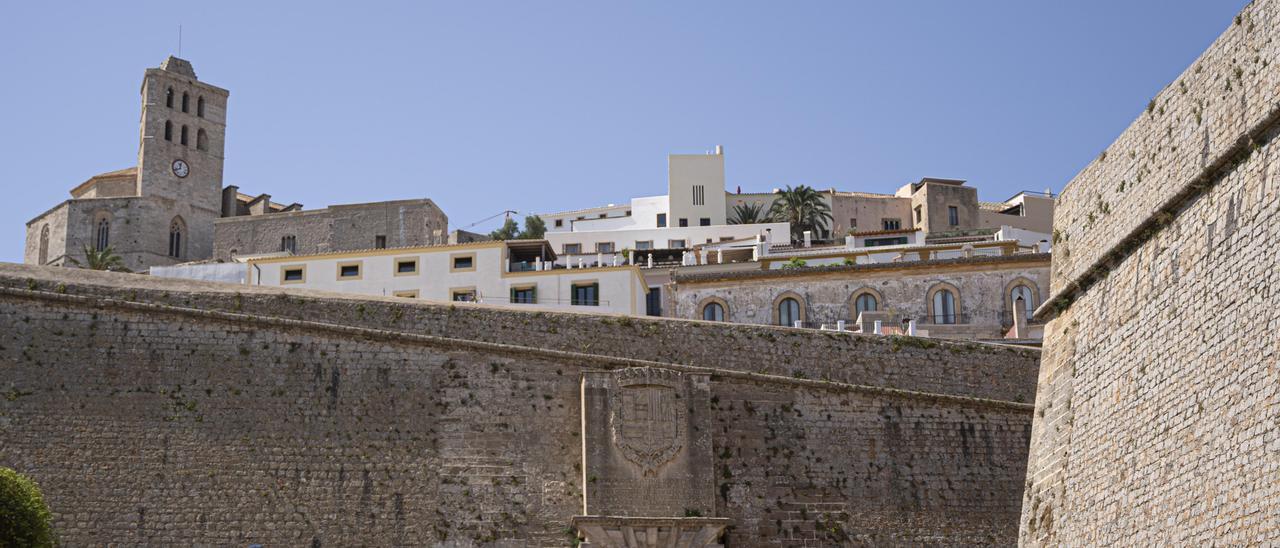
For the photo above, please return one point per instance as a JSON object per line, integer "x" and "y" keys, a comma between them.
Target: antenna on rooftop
{"x": 179, "y": 41}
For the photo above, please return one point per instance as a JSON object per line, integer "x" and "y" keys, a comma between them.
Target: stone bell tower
{"x": 180, "y": 155}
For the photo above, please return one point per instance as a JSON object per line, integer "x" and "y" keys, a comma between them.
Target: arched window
{"x": 102, "y": 232}
{"x": 202, "y": 140}
{"x": 184, "y": 136}
{"x": 168, "y": 130}
{"x": 200, "y": 106}
{"x": 1028, "y": 300}
{"x": 44, "y": 245}
{"x": 168, "y": 98}
{"x": 185, "y": 99}
{"x": 713, "y": 312}
{"x": 788, "y": 312}
{"x": 176, "y": 228}
{"x": 289, "y": 243}
{"x": 944, "y": 307}
{"x": 865, "y": 302}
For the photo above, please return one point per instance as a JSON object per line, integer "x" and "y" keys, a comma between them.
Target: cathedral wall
{"x": 168, "y": 412}
{"x": 56, "y": 220}
{"x": 336, "y": 228}
{"x": 1156, "y": 410}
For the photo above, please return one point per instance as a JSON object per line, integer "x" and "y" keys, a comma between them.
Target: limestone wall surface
{"x": 169, "y": 416}
{"x": 1158, "y": 408}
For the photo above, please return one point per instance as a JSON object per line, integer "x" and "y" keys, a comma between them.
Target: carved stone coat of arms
{"x": 648, "y": 416}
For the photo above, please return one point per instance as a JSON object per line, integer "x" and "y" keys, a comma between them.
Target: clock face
{"x": 180, "y": 168}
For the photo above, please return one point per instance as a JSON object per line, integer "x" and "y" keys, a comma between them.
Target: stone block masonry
{"x": 1158, "y": 407}
{"x": 171, "y": 412}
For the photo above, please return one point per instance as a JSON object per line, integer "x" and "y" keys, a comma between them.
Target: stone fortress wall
{"x": 348, "y": 227}
{"x": 1157, "y": 416}
{"x": 170, "y": 412}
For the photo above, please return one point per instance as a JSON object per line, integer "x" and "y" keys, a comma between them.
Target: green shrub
{"x": 24, "y": 518}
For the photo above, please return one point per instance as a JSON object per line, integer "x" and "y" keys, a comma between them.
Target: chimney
{"x": 719, "y": 150}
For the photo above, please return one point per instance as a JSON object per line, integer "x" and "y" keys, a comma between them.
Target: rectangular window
{"x": 648, "y": 244}
{"x": 586, "y": 294}
{"x": 572, "y": 249}
{"x": 684, "y": 221}
{"x": 919, "y": 214}
{"x": 662, "y": 220}
{"x": 953, "y": 215}
{"x": 463, "y": 263}
{"x": 699, "y": 195}
{"x": 875, "y": 242}
{"x": 603, "y": 215}
{"x": 467, "y": 295}
{"x": 293, "y": 274}
{"x": 289, "y": 243}
{"x": 604, "y": 247}
{"x": 628, "y": 212}
{"x": 891, "y": 224}
{"x": 524, "y": 295}
{"x": 406, "y": 266}
{"x": 408, "y": 293}
{"x": 675, "y": 244}
{"x": 559, "y": 223}
{"x": 705, "y": 221}
{"x": 726, "y": 238}
{"x": 349, "y": 271}
{"x": 379, "y": 242}
{"x": 853, "y": 223}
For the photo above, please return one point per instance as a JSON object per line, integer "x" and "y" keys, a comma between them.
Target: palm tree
{"x": 747, "y": 214}
{"x": 104, "y": 259}
{"x": 803, "y": 207}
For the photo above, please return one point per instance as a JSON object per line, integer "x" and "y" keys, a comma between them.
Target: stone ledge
{"x": 636, "y": 532}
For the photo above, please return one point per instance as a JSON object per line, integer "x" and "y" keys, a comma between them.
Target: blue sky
{"x": 544, "y": 106}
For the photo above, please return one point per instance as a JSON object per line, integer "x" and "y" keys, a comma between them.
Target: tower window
{"x": 202, "y": 140}
{"x": 185, "y": 100}
{"x": 168, "y": 130}
{"x": 200, "y": 106}
{"x": 183, "y": 140}
{"x": 175, "y": 238}
{"x": 168, "y": 98}
{"x": 102, "y": 236}
{"x": 289, "y": 243}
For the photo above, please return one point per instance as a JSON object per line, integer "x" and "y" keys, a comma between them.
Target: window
{"x": 919, "y": 214}
{"x": 944, "y": 307}
{"x": 289, "y": 243}
{"x": 603, "y": 215}
{"x": 628, "y": 212}
{"x": 653, "y": 302}
{"x": 406, "y": 266}
{"x": 559, "y": 223}
{"x": 463, "y": 263}
{"x": 293, "y": 274}
{"x": 183, "y": 139}
{"x": 349, "y": 271}
{"x": 524, "y": 295}
{"x": 675, "y": 244}
{"x": 953, "y": 215}
{"x": 102, "y": 234}
{"x": 202, "y": 140}
{"x": 684, "y": 221}
{"x": 788, "y": 312}
{"x": 572, "y": 249}
{"x": 200, "y": 106}
{"x": 705, "y": 221}
{"x": 467, "y": 295}
{"x": 876, "y": 242}
{"x": 891, "y": 224}
{"x": 853, "y": 223}
{"x": 175, "y": 237}
{"x": 586, "y": 294}
{"x": 168, "y": 130}
{"x": 647, "y": 244}
{"x": 699, "y": 195}
{"x": 604, "y": 247}
{"x": 184, "y": 102}
{"x": 865, "y": 302}
{"x": 407, "y": 293}
{"x": 662, "y": 220}
{"x": 1028, "y": 303}
{"x": 581, "y": 218}
{"x": 713, "y": 312}
{"x": 168, "y": 98}
{"x": 726, "y": 238}
{"x": 380, "y": 242}
{"x": 44, "y": 245}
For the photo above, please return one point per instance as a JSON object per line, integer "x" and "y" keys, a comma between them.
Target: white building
{"x": 692, "y": 213}
{"x": 515, "y": 272}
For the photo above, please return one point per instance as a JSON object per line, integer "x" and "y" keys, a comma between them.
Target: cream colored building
{"x": 515, "y": 273}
